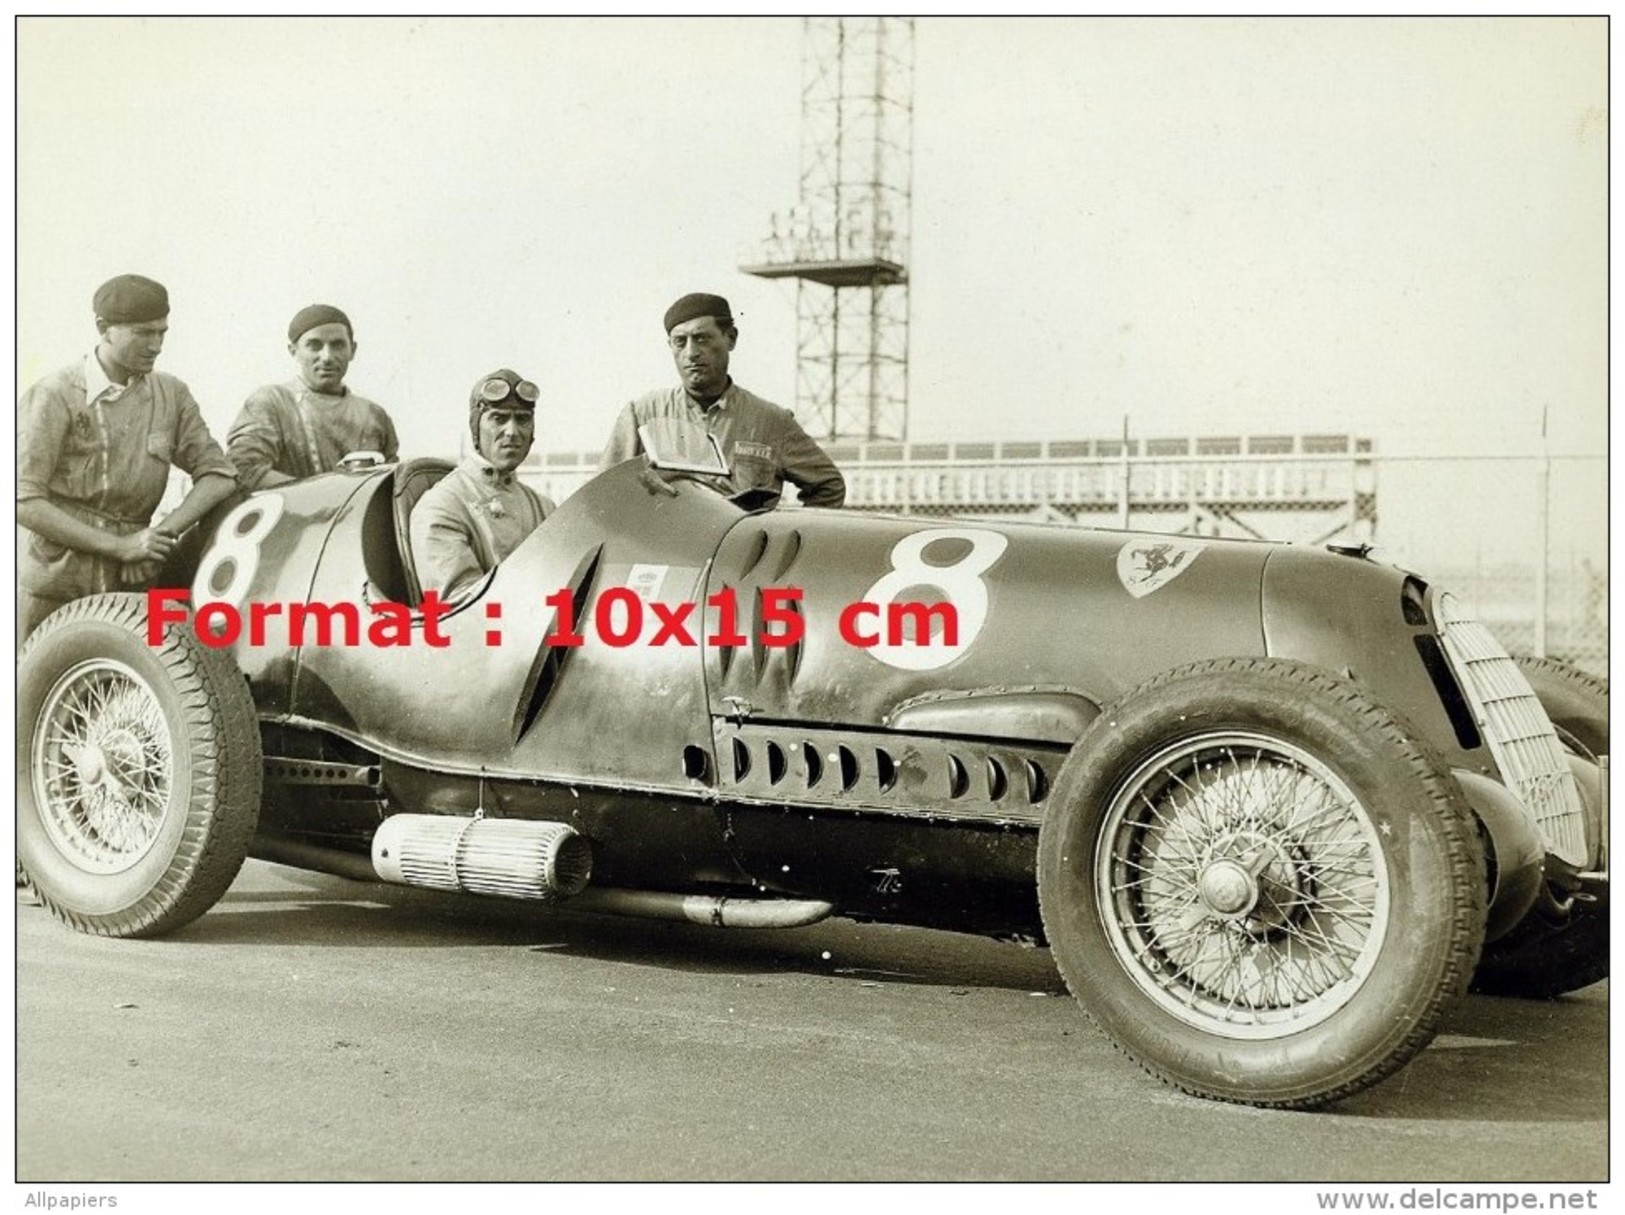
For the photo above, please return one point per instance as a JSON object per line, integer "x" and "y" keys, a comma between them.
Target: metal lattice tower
{"x": 847, "y": 241}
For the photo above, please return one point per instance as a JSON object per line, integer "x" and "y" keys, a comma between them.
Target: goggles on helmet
{"x": 497, "y": 389}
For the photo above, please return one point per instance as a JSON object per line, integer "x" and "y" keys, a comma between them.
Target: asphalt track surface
{"x": 312, "y": 1028}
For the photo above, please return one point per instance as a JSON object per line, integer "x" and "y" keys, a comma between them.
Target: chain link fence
{"x": 1522, "y": 539}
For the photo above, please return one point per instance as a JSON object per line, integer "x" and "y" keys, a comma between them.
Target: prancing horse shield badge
{"x": 1144, "y": 566}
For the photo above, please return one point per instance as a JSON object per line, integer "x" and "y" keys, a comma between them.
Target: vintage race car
{"x": 1271, "y": 807}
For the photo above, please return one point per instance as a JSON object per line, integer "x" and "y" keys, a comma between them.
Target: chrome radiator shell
{"x": 1520, "y": 736}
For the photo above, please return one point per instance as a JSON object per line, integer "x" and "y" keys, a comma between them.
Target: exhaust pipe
{"x": 506, "y": 857}
{"x": 520, "y": 859}
{"x": 718, "y": 911}
{"x": 298, "y": 855}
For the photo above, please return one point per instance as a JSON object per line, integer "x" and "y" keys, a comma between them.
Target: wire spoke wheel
{"x": 138, "y": 766}
{"x": 1245, "y": 885}
{"x": 103, "y": 769}
{"x": 1255, "y": 880}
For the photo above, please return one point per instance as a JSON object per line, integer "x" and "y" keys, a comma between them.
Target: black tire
{"x": 1548, "y": 955}
{"x": 138, "y": 769}
{"x": 1575, "y": 700}
{"x": 1259, "y": 884}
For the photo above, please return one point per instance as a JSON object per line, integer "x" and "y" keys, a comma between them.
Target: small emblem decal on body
{"x": 645, "y": 580}
{"x": 1144, "y": 565}
{"x": 649, "y": 581}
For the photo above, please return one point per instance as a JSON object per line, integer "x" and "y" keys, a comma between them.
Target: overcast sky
{"x": 1395, "y": 227}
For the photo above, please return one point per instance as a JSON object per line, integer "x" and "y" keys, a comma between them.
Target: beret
{"x": 130, "y": 299}
{"x": 308, "y": 318}
{"x": 692, "y": 307}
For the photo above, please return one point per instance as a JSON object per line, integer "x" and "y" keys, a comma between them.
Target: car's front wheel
{"x": 1258, "y": 884}
{"x": 138, "y": 769}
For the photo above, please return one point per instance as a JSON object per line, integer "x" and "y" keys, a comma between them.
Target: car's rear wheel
{"x": 1550, "y": 952}
{"x": 138, "y": 769}
{"x": 1258, "y": 884}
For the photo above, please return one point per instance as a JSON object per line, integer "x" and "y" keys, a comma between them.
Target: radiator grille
{"x": 1520, "y": 735}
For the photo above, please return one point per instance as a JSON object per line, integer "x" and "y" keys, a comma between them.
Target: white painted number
{"x": 228, "y": 567}
{"x": 960, "y": 583}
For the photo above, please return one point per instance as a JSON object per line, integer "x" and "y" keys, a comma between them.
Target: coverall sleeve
{"x": 196, "y": 452}
{"x": 443, "y": 549}
{"x": 808, "y": 468}
{"x": 392, "y": 441}
{"x": 254, "y": 441}
{"x": 42, "y": 428}
{"x": 623, "y": 440}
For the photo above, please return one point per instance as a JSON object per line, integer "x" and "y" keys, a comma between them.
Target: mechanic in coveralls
{"x": 95, "y": 443}
{"x": 480, "y": 511}
{"x": 310, "y": 423}
{"x": 763, "y": 443}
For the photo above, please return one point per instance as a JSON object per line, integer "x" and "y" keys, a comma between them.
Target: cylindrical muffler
{"x": 507, "y": 857}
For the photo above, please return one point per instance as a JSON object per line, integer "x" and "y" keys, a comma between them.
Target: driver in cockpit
{"x": 481, "y": 511}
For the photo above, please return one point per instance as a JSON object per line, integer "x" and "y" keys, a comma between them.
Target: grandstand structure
{"x": 1317, "y": 489}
